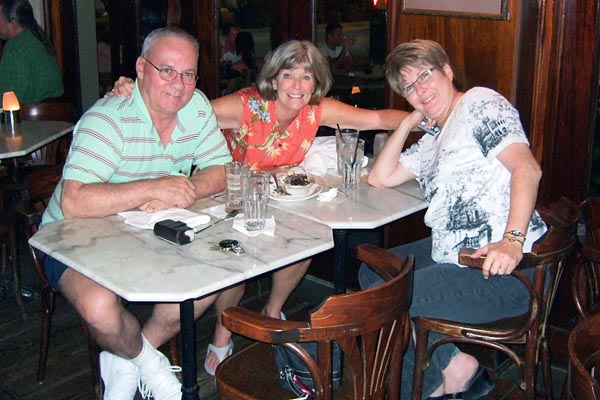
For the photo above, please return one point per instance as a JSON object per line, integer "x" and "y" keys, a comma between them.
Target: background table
{"x": 138, "y": 266}
{"x": 29, "y": 136}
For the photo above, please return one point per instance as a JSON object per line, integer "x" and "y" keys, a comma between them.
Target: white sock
{"x": 145, "y": 355}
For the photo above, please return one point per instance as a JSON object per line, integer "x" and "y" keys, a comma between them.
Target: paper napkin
{"x": 269, "y": 229}
{"x": 328, "y": 195}
{"x": 321, "y": 158}
{"x": 145, "y": 220}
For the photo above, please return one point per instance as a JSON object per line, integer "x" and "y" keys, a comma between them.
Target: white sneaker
{"x": 120, "y": 377}
{"x": 157, "y": 378}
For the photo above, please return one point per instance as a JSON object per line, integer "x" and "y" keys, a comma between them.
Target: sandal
{"x": 220, "y": 352}
{"x": 479, "y": 385}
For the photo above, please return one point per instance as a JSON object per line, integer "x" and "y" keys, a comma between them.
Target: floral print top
{"x": 260, "y": 143}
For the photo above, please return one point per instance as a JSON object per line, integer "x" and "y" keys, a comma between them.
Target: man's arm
{"x": 209, "y": 180}
{"x": 81, "y": 200}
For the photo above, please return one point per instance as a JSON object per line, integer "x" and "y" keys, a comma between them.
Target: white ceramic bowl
{"x": 299, "y": 190}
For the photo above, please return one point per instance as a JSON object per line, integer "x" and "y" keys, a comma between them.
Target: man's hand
{"x": 154, "y": 206}
{"x": 174, "y": 191}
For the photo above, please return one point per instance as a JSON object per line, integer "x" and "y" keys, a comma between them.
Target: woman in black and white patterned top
{"x": 480, "y": 179}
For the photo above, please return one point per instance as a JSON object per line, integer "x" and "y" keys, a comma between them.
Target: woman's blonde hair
{"x": 291, "y": 55}
{"x": 417, "y": 53}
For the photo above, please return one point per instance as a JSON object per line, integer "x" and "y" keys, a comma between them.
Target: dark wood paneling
{"x": 569, "y": 126}
{"x": 478, "y": 56}
{"x": 207, "y": 33}
{"x": 290, "y": 19}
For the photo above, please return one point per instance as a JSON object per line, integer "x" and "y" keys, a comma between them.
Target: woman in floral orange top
{"x": 275, "y": 123}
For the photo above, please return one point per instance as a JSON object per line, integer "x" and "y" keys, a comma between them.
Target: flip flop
{"x": 220, "y": 352}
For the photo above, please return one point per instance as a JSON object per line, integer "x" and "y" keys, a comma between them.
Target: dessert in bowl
{"x": 298, "y": 183}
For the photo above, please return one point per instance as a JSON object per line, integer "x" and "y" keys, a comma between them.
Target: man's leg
{"x": 112, "y": 326}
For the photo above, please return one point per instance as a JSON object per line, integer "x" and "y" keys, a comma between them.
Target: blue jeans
{"x": 454, "y": 293}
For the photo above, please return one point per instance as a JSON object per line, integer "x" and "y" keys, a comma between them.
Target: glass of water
{"x": 255, "y": 196}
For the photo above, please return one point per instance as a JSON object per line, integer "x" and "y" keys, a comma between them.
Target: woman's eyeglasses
{"x": 422, "y": 78}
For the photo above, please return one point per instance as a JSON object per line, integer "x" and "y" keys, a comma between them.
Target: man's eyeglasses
{"x": 422, "y": 78}
{"x": 169, "y": 74}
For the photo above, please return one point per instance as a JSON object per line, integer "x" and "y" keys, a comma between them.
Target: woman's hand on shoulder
{"x": 123, "y": 87}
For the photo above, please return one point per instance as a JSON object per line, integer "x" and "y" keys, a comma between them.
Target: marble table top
{"x": 365, "y": 207}
{"x": 29, "y": 136}
{"x": 138, "y": 266}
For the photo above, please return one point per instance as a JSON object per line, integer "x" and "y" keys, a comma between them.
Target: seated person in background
{"x": 129, "y": 154}
{"x": 228, "y": 52}
{"x": 28, "y": 66}
{"x": 273, "y": 124}
{"x": 480, "y": 180}
{"x": 247, "y": 65}
{"x": 336, "y": 49}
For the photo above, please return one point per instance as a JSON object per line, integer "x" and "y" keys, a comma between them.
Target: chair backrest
{"x": 584, "y": 360}
{"x": 372, "y": 328}
{"x": 550, "y": 254}
{"x": 55, "y": 152}
{"x": 47, "y": 111}
{"x": 586, "y": 275}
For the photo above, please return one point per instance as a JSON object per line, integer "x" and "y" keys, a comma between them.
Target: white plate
{"x": 285, "y": 197}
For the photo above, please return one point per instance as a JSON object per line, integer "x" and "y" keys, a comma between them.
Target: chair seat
{"x": 242, "y": 378}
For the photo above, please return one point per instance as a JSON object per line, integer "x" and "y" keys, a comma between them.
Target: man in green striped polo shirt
{"x": 161, "y": 148}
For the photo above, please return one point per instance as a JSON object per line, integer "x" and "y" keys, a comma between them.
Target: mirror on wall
{"x": 244, "y": 41}
{"x": 361, "y": 33}
{"x": 358, "y": 76}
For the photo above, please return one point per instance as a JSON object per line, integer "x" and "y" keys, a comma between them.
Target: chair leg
{"x": 546, "y": 368}
{"x": 174, "y": 351}
{"x": 13, "y": 255}
{"x": 94, "y": 354}
{"x": 422, "y": 336}
{"x": 530, "y": 366}
{"x": 47, "y": 310}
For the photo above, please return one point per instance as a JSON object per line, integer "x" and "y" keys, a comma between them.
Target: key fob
{"x": 175, "y": 232}
{"x": 432, "y": 130}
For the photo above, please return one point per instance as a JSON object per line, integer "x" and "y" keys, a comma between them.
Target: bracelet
{"x": 512, "y": 238}
{"x": 516, "y": 233}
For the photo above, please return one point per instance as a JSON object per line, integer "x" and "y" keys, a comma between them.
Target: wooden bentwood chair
{"x": 39, "y": 185}
{"x": 548, "y": 256}
{"x": 584, "y": 360}
{"x": 371, "y": 327}
{"x": 586, "y": 273}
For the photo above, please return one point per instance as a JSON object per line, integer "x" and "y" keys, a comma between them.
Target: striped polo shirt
{"x": 115, "y": 142}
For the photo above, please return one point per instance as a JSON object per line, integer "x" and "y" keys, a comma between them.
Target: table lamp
{"x": 11, "y": 107}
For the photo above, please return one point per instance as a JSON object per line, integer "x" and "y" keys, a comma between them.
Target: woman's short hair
{"x": 417, "y": 53}
{"x": 169, "y": 31}
{"x": 291, "y": 55}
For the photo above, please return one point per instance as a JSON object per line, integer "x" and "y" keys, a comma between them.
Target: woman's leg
{"x": 284, "y": 282}
{"x": 454, "y": 293}
{"x": 228, "y": 298}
